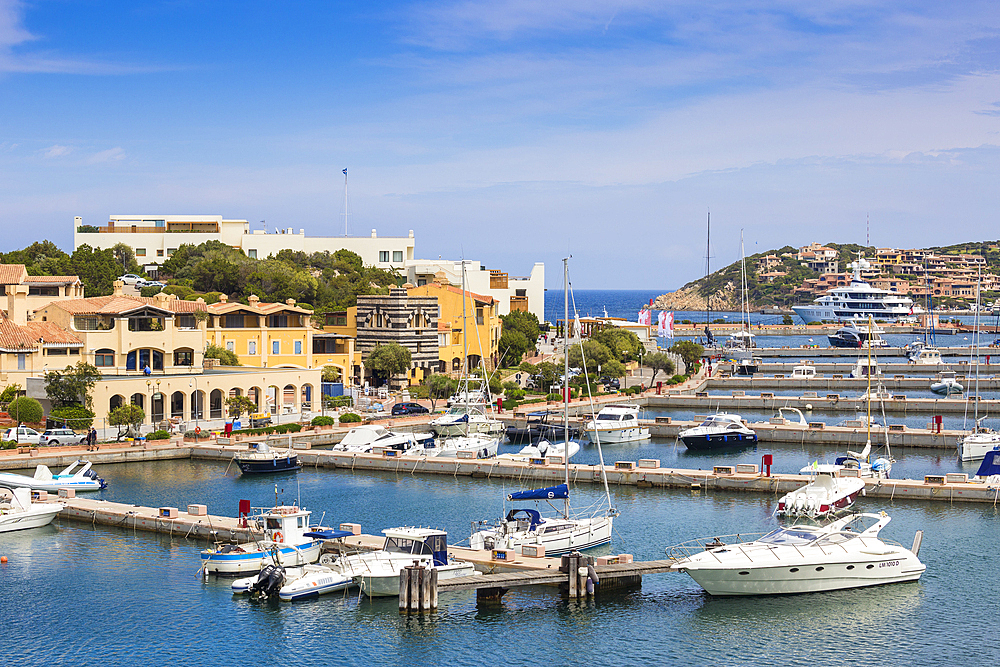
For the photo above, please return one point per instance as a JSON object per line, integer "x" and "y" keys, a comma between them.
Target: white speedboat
{"x": 297, "y": 583}
{"x": 283, "y": 531}
{"x": 365, "y": 438}
{"x": 616, "y": 423}
{"x": 526, "y": 527}
{"x": 542, "y": 449}
{"x": 826, "y": 493}
{"x": 802, "y": 559}
{"x": 858, "y": 301}
{"x": 476, "y": 445}
{"x": 947, "y": 385}
{"x": 378, "y": 572}
{"x": 975, "y": 445}
{"x": 82, "y": 479}
{"x": 925, "y": 356}
{"x": 21, "y": 514}
{"x": 466, "y": 419}
{"x": 718, "y": 431}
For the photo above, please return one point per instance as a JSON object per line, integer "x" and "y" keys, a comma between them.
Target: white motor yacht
{"x": 378, "y": 572}
{"x": 858, "y": 301}
{"x": 804, "y": 372}
{"x": 475, "y": 445}
{"x": 826, "y": 493}
{"x": 854, "y": 336}
{"x": 802, "y": 559}
{"x": 463, "y": 419}
{"x": 542, "y": 449}
{"x": 718, "y": 431}
{"x": 925, "y": 356}
{"x": 975, "y": 445}
{"x": 83, "y": 479}
{"x": 21, "y": 514}
{"x": 365, "y": 438}
{"x": 284, "y": 530}
{"x": 616, "y": 423}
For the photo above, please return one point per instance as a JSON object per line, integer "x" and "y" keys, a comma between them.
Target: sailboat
{"x": 861, "y": 461}
{"x": 740, "y": 345}
{"x": 975, "y": 445}
{"x": 523, "y": 527}
{"x": 470, "y": 427}
{"x": 709, "y": 338}
{"x": 927, "y": 353}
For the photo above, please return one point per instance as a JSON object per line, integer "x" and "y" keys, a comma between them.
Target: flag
{"x": 661, "y": 321}
{"x": 645, "y": 317}
{"x": 345, "y": 171}
{"x": 669, "y": 326}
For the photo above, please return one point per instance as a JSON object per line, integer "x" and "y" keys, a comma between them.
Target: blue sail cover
{"x": 549, "y": 493}
{"x": 990, "y": 465}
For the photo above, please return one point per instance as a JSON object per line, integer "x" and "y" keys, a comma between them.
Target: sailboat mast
{"x": 465, "y": 355}
{"x": 566, "y": 379}
{"x": 975, "y": 346}
{"x": 708, "y": 272}
{"x": 868, "y": 420}
{"x": 745, "y": 303}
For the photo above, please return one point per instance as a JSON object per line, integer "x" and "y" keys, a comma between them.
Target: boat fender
{"x": 278, "y": 537}
{"x": 197, "y": 430}
{"x": 592, "y": 574}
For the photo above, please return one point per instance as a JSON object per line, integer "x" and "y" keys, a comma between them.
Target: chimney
{"x": 17, "y": 304}
{"x": 223, "y": 298}
{"x": 77, "y": 221}
{"x": 119, "y": 288}
{"x": 290, "y": 302}
{"x": 253, "y": 300}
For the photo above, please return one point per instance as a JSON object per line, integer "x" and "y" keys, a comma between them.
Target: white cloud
{"x": 110, "y": 155}
{"x": 57, "y": 151}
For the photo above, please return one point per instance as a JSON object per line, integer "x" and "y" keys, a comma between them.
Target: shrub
{"x": 74, "y": 416}
{"x": 512, "y": 395}
{"x": 25, "y": 410}
{"x": 323, "y": 420}
{"x": 149, "y": 291}
{"x": 349, "y": 418}
{"x": 182, "y": 291}
{"x": 9, "y": 444}
{"x": 553, "y": 397}
{"x": 159, "y": 435}
{"x": 510, "y": 403}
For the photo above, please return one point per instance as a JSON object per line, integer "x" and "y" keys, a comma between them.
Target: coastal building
{"x": 154, "y": 238}
{"x": 31, "y": 348}
{"x": 818, "y": 257}
{"x": 401, "y": 317}
{"x": 267, "y": 335}
{"x": 25, "y": 293}
{"x": 523, "y": 293}
{"x": 768, "y": 262}
{"x": 337, "y": 344}
{"x": 480, "y": 334}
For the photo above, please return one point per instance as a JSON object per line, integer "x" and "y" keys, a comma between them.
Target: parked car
{"x": 23, "y": 434}
{"x": 62, "y": 436}
{"x": 151, "y": 283}
{"x": 131, "y": 279}
{"x": 610, "y": 383}
{"x": 409, "y": 409}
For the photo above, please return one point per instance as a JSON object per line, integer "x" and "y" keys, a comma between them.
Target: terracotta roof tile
{"x": 50, "y": 332}
{"x": 29, "y": 336}
{"x": 12, "y": 274}
{"x": 118, "y": 304}
{"x": 62, "y": 280}
{"x": 261, "y": 308}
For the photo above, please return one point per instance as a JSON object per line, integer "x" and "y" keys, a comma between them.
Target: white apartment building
{"x": 155, "y": 237}
{"x": 525, "y": 293}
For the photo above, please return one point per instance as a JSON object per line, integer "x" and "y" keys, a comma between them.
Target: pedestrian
{"x": 93, "y": 438}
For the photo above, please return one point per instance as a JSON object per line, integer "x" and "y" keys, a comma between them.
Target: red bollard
{"x": 765, "y": 462}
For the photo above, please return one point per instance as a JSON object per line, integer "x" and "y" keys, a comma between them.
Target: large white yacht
{"x": 857, "y": 301}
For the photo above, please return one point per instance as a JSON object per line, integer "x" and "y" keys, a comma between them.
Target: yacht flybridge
{"x": 857, "y": 301}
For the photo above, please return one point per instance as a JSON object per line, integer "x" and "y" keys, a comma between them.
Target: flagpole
{"x": 345, "y": 201}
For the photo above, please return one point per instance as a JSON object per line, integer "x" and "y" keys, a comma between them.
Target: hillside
{"x": 723, "y": 285}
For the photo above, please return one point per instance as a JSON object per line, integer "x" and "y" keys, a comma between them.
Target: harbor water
{"x": 77, "y": 594}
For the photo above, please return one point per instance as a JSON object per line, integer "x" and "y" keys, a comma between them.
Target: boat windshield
{"x": 606, "y": 417}
{"x": 400, "y": 545}
{"x": 458, "y": 410}
{"x": 789, "y": 536}
{"x": 835, "y": 538}
{"x": 717, "y": 421}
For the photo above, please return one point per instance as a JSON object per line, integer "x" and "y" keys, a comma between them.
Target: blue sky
{"x": 511, "y": 131}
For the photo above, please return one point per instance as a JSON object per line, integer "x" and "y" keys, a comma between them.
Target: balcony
{"x": 519, "y": 303}
{"x": 498, "y": 279}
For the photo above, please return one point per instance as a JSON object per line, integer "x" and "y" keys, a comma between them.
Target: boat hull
{"x": 809, "y": 578}
{"x": 263, "y": 466}
{"x": 252, "y": 560}
{"x": 596, "y": 533}
{"x": 12, "y": 481}
{"x": 36, "y": 517}
{"x": 387, "y": 585}
{"x": 618, "y": 435}
{"x": 972, "y": 448}
{"x": 705, "y": 442}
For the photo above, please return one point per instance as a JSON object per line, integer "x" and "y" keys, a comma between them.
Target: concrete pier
{"x": 768, "y": 401}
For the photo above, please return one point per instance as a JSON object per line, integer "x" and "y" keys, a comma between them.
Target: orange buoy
{"x": 3, "y": 559}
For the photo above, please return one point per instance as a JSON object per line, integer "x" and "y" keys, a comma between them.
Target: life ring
{"x": 197, "y": 430}
{"x": 278, "y": 537}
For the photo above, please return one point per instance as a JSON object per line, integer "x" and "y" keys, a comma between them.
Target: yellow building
{"x": 337, "y": 345}
{"x": 482, "y": 318}
{"x": 266, "y": 335}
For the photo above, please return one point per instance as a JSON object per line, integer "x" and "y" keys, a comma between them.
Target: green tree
{"x": 389, "y": 359}
{"x": 9, "y": 393}
{"x": 512, "y": 347}
{"x": 688, "y": 351}
{"x": 225, "y": 357}
{"x": 598, "y": 356}
{"x": 623, "y": 344}
{"x": 331, "y": 374}
{"x": 128, "y": 418}
{"x": 439, "y": 386}
{"x": 548, "y": 374}
{"x": 126, "y": 259}
{"x": 73, "y": 385}
{"x": 239, "y": 405}
{"x": 98, "y": 269}
{"x": 73, "y": 416}
{"x": 658, "y": 361}
{"x": 25, "y": 410}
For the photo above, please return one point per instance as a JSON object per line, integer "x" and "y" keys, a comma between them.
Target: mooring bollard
{"x": 417, "y": 589}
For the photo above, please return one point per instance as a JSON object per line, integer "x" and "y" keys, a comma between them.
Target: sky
{"x": 511, "y": 131}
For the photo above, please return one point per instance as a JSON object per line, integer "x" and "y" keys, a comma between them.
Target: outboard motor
{"x": 269, "y": 581}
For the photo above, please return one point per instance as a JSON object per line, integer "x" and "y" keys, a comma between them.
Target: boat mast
{"x": 868, "y": 420}
{"x": 465, "y": 356}
{"x": 566, "y": 380}
{"x": 745, "y": 303}
{"x": 708, "y": 272}
{"x": 975, "y": 347}
{"x": 346, "y": 211}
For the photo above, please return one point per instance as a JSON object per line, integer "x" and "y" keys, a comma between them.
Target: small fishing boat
{"x": 260, "y": 458}
{"x": 616, "y": 423}
{"x": 283, "y": 528}
{"x": 826, "y": 493}
{"x": 82, "y": 479}
{"x": 803, "y": 372}
{"x": 718, "y": 431}
{"x": 21, "y": 514}
{"x": 847, "y": 553}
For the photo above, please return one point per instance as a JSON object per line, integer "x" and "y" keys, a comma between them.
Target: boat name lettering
{"x": 889, "y": 563}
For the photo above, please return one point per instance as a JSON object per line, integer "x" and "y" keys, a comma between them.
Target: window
{"x": 231, "y": 345}
{"x": 252, "y": 254}
{"x": 159, "y": 253}
{"x": 442, "y": 340}
{"x": 20, "y": 360}
{"x": 43, "y": 291}
{"x": 252, "y": 347}
{"x": 233, "y": 321}
{"x": 140, "y": 252}
{"x": 479, "y": 316}
{"x": 421, "y": 282}
{"x": 383, "y": 255}
{"x": 397, "y": 256}
{"x": 183, "y": 357}
{"x": 171, "y": 251}
{"x": 104, "y": 358}
{"x": 278, "y": 321}
{"x": 56, "y": 351}
{"x": 275, "y": 347}
{"x": 159, "y": 223}
{"x": 298, "y": 347}
{"x": 186, "y": 322}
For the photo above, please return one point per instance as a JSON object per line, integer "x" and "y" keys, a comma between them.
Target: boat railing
{"x": 698, "y": 545}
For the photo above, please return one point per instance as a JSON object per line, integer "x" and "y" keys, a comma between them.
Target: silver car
{"x": 62, "y": 436}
